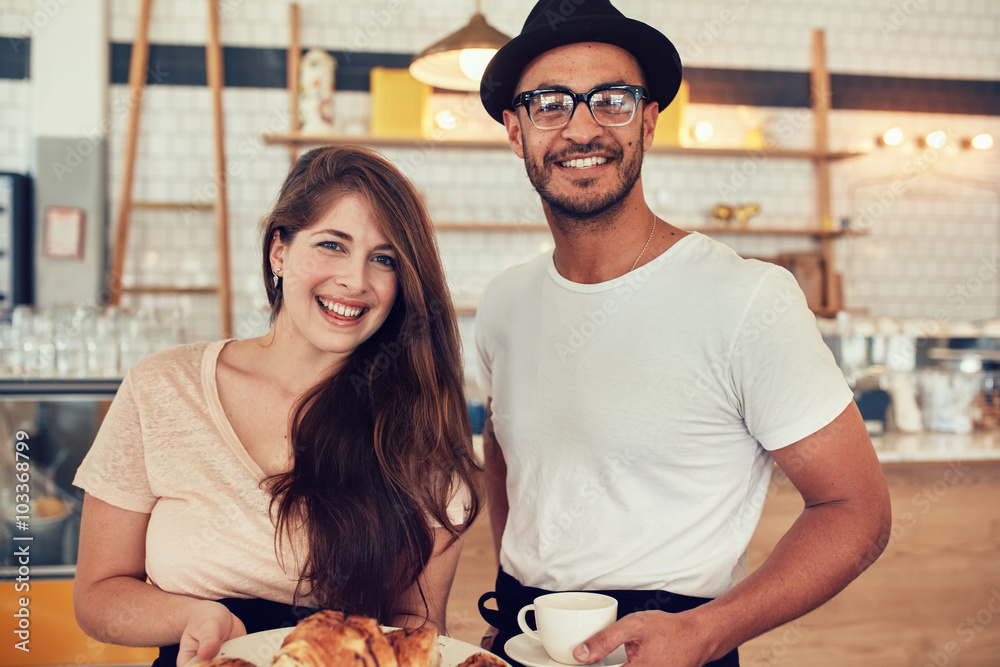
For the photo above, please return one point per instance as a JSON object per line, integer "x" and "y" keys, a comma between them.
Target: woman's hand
{"x": 208, "y": 626}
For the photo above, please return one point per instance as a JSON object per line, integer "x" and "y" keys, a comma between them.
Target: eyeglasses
{"x": 552, "y": 108}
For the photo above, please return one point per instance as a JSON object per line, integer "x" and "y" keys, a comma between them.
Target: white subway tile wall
{"x": 18, "y": 18}
{"x": 930, "y": 217}
{"x": 15, "y": 116}
{"x": 925, "y": 38}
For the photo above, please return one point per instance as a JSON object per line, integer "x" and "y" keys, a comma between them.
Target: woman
{"x": 326, "y": 464}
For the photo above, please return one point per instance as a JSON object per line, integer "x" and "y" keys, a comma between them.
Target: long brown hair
{"x": 381, "y": 446}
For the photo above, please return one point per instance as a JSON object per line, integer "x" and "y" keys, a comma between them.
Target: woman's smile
{"x": 341, "y": 312}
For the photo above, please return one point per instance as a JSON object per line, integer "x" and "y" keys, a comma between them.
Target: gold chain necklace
{"x": 636, "y": 262}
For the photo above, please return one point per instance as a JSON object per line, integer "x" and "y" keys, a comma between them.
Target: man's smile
{"x": 583, "y": 163}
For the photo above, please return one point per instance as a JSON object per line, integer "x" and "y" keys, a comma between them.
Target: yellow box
{"x": 54, "y": 637}
{"x": 670, "y": 124}
{"x": 400, "y": 104}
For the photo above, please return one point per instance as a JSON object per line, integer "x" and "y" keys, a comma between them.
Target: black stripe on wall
{"x": 15, "y": 57}
{"x": 889, "y": 93}
{"x": 755, "y": 88}
{"x": 250, "y": 67}
{"x": 848, "y": 91}
{"x": 265, "y": 68}
{"x": 244, "y": 67}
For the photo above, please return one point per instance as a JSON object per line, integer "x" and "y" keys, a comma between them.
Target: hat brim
{"x": 648, "y": 45}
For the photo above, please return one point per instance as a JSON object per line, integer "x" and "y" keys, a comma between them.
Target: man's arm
{"x": 842, "y": 529}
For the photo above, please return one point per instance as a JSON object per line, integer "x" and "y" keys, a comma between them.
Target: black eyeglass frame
{"x": 523, "y": 98}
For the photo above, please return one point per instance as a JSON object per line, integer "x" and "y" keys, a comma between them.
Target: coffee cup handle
{"x": 523, "y": 624}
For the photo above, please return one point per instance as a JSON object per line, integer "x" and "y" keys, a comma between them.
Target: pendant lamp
{"x": 457, "y": 62}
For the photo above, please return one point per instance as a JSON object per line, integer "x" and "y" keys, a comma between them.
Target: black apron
{"x": 511, "y": 596}
{"x": 257, "y": 616}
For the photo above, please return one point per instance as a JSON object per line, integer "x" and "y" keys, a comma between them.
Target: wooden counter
{"x": 933, "y": 446}
{"x": 932, "y": 599}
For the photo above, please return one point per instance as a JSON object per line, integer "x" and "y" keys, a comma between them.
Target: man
{"x": 644, "y": 380}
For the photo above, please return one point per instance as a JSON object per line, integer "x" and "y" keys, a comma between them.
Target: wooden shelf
{"x": 303, "y": 141}
{"x": 308, "y": 140}
{"x": 168, "y": 289}
{"x": 534, "y": 227}
{"x": 491, "y": 227}
{"x": 763, "y": 152}
{"x": 764, "y": 231}
{"x": 470, "y": 309}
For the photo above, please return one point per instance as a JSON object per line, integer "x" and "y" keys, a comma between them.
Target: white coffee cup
{"x": 566, "y": 620}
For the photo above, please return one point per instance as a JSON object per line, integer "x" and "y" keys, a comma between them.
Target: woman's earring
{"x": 276, "y": 277}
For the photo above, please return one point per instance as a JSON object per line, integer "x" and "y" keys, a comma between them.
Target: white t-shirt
{"x": 635, "y": 415}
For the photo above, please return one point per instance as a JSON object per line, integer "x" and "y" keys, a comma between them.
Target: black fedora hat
{"x": 553, "y": 23}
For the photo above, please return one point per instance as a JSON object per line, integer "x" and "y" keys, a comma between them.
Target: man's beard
{"x": 585, "y": 207}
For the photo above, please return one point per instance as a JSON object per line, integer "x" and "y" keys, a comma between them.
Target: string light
{"x": 445, "y": 119}
{"x": 936, "y": 139}
{"x": 981, "y": 142}
{"x": 703, "y": 131}
{"x": 891, "y": 137}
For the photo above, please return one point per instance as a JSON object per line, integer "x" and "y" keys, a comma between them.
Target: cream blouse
{"x": 167, "y": 449}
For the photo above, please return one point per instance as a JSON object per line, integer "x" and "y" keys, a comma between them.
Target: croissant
{"x": 326, "y": 619}
{"x": 378, "y": 645}
{"x": 356, "y": 642}
{"x": 483, "y": 660}
{"x": 329, "y": 639}
{"x": 311, "y": 652}
{"x": 227, "y": 662}
{"x": 415, "y": 647}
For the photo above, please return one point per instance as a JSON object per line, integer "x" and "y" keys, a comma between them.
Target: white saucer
{"x": 529, "y": 651}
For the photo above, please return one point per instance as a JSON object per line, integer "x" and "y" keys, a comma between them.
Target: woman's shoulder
{"x": 176, "y": 361}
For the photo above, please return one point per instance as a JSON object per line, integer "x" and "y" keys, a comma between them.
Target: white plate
{"x": 260, "y": 647}
{"x": 529, "y": 651}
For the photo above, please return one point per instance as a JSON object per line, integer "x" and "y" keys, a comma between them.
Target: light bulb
{"x": 473, "y": 62}
{"x": 891, "y": 137}
{"x": 703, "y": 131}
{"x": 936, "y": 139}
{"x": 982, "y": 141}
{"x": 446, "y": 120}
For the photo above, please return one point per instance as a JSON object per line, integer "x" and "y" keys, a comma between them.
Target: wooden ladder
{"x": 137, "y": 80}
